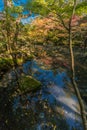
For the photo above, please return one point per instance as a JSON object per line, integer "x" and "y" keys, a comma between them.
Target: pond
{"x": 53, "y": 107}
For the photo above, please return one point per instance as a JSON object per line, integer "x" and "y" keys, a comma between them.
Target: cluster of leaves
{"x": 11, "y": 27}
{"x": 81, "y": 8}
{"x": 46, "y": 31}
{"x": 43, "y": 30}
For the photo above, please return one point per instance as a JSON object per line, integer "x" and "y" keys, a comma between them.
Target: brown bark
{"x": 82, "y": 108}
{"x": 5, "y": 2}
{"x": 15, "y": 39}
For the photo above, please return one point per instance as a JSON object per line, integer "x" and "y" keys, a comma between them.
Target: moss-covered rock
{"x": 29, "y": 84}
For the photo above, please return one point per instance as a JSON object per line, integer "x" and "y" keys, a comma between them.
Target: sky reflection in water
{"x": 53, "y": 90}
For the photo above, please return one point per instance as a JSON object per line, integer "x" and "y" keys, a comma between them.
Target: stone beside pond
{"x": 29, "y": 84}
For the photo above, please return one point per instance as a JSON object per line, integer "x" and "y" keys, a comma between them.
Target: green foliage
{"x": 5, "y": 63}
{"x": 81, "y": 8}
{"x": 37, "y": 7}
{"x": 15, "y": 9}
{"x": 62, "y": 7}
{"x": 52, "y": 36}
{"x": 44, "y": 7}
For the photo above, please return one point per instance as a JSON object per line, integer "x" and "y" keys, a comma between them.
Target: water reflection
{"x": 53, "y": 107}
{"x": 54, "y": 86}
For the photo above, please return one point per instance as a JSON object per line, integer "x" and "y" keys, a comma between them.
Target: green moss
{"x": 5, "y": 63}
{"x": 9, "y": 60}
{"x": 28, "y": 84}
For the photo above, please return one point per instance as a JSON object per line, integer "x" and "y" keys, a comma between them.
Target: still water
{"x": 53, "y": 107}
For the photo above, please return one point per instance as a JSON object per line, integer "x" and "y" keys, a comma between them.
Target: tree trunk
{"x": 5, "y": 3}
{"x": 82, "y": 108}
{"x": 8, "y": 44}
{"x": 15, "y": 38}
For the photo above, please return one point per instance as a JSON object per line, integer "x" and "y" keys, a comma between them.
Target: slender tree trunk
{"x": 82, "y": 108}
{"x": 77, "y": 92}
{"x": 5, "y": 2}
{"x": 8, "y": 42}
{"x": 15, "y": 39}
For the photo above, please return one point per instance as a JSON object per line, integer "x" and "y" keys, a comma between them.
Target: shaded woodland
{"x": 43, "y": 65}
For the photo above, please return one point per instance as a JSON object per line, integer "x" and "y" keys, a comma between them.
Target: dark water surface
{"x": 53, "y": 107}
